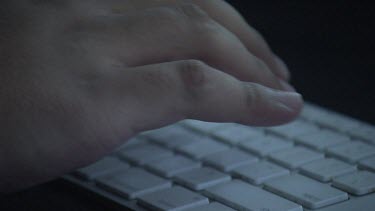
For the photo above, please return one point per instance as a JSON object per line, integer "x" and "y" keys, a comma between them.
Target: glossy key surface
{"x": 172, "y": 199}
{"x": 352, "y": 151}
{"x": 102, "y": 167}
{"x": 229, "y": 159}
{"x": 357, "y": 183}
{"x": 233, "y": 134}
{"x": 201, "y": 178}
{"x": 326, "y": 169}
{"x": 132, "y": 183}
{"x": 242, "y": 196}
{"x": 263, "y": 146}
{"x": 308, "y": 192}
{"x": 171, "y": 166}
{"x": 259, "y": 172}
{"x": 295, "y": 157}
{"x": 202, "y": 148}
{"x": 322, "y": 140}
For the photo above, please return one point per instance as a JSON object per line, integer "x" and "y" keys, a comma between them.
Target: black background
{"x": 329, "y": 47}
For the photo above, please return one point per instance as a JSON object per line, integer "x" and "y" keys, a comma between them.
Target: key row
{"x": 198, "y": 146}
{"x": 131, "y": 182}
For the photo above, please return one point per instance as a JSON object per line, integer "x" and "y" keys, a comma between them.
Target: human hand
{"x": 79, "y": 79}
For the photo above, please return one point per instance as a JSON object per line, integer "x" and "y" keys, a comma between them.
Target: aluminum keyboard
{"x": 322, "y": 161}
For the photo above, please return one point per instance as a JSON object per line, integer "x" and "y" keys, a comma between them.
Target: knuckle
{"x": 194, "y": 77}
{"x": 260, "y": 64}
{"x": 251, "y": 96}
{"x": 193, "y": 11}
{"x": 198, "y": 19}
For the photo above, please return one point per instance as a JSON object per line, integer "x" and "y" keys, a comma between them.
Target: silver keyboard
{"x": 322, "y": 161}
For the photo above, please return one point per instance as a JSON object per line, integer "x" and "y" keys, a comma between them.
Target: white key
{"x": 229, "y": 159}
{"x": 293, "y": 129}
{"x": 352, "y": 151}
{"x": 242, "y": 196}
{"x": 202, "y": 148}
{"x": 322, "y": 140}
{"x": 142, "y": 153}
{"x": 312, "y": 112}
{"x": 263, "y": 146}
{"x": 203, "y": 127}
{"x": 172, "y": 199}
{"x": 295, "y": 157}
{"x": 162, "y": 132}
{"x": 173, "y": 136}
{"x": 258, "y": 173}
{"x": 365, "y": 132}
{"x": 101, "y": 167}
{"x": 234, "y": 134}
{"x": 137, "y": 140}
{"x": 368, "y": 164}
{"x": 308, "y": 192}
{"x": 201, "y": 178}
{"x": 170, "y": 166}
{"x": 338, "y": 122}
{"x": 328, "y": 119}
{"x": 214, "y": 206}
{"x": 326, "y": 169}
{"x": 132, "y": 183}
{"x": 358, "y": 183}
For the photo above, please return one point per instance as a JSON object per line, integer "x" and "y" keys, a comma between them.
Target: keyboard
{"x": 321, "y": 161}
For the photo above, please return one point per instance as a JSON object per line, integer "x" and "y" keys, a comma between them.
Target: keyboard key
{"x": 364, "y": 132}
{"x": 229, "y": 159}
{"x": 142, "y": 153}
{"x": 328, "y": 119}
{"x": 308, "y": 192}
{"x": 311, "y": 112}
{"x": 242, "y": 196}
{"x": 358, "y": 183}
{"x": 132, "y": 183}
{"x": 368, "y": 164}
{"x": 202, "y": 148}
{"x": 352, "y": 151}
{"x": 235, "y": 133}
{"x": 263, "y": 146}
{"x": 101, "y": 167}
{"x": 294, "y": 129}
{"x": 326, "y": 169}
{"x": 173, "y": 136}
{"x": 132, "y": 142}
{"x": 175, "y": 198}
{"x": 258, "y": 173}
{"x": 322, "y": 140}
{"x": 170, "y": 166}
{"x": 214, "y": 206}
{"x": 204, "y": 127}
{"x": 201, "y": 178}
{"x": 295, "y": 157}
{"x": 338, "y": 122}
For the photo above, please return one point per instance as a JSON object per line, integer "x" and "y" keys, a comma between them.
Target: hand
{"x": 77, "y": 80}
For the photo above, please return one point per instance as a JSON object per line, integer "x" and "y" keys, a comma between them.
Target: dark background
{"x": 329, "y": 47}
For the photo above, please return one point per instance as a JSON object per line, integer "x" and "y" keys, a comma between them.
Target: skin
{"x": 79, "y": 78}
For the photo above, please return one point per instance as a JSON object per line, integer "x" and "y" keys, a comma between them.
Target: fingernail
{"x": 282, "y": 67}
{"x": 286, "y": 86}
{"x": 292, "y": 101}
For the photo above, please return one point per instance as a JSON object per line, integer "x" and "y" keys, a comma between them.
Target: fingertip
{"x": 287, "y": 105}
{"x": 274, "y": 107}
